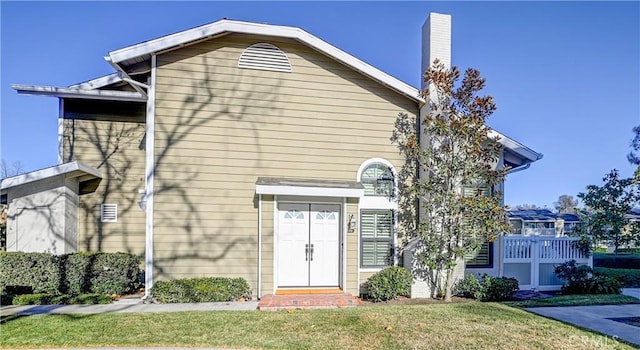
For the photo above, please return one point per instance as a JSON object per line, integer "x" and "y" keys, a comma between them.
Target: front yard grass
{"x": 470, "y": 325}
{"x": 576, "y": 300}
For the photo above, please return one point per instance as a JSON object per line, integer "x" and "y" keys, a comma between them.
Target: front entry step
{"x": 272, "y": 302}
{"x": 309, "y": 291}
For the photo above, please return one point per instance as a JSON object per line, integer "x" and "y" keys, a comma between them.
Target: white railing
{"x": 540, "y": 232}
{"x": 532, "y": 259}
{"x": 543, "y": 249}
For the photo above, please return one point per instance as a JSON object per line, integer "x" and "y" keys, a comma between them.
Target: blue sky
{"x": 565, "y": 75}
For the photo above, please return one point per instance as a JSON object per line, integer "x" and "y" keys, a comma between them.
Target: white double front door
{"x": 308, "y": 245}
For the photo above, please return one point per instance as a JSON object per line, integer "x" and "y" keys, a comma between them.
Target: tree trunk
{"x": 448, "y": 285}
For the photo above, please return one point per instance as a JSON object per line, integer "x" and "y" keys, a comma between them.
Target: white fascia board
{"x": 310, "y": 191}
{"x": 72, "y": 169}
{"x": 223, "y": 26}
{"x": 515, "y": 146}
{"x": 97, "y": 82}
{"x": 79, "y": 93}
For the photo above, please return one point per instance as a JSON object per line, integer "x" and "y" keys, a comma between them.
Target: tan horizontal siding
{"x": 219, "y": 128}
{"x": 322, "y": 83}
{"x": 114, "y": 149}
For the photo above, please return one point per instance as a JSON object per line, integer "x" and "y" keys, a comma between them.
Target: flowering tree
{"x": 457, "y": 161}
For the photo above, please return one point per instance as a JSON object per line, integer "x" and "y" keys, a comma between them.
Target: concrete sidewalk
{"x": 599, "y": 317}
{"x": 111, "y": 308}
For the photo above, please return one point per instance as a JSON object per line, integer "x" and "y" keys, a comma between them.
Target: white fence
{"x": 532, "y": 259}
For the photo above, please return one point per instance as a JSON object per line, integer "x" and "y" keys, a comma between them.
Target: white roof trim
{"x": 223, "y": 26}
{"x": 281, "y": 190}
{"x": 98, "y": 82}
{"x": 79, "y": 93}
{"x": 515, "y": 146}
{"x": 69, "y": 170}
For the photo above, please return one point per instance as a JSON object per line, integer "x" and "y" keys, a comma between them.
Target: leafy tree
{"x": 566, "y": 204}
{"x": 457, "y": 159}
{"x": 609, "y": 205}
{"x": 634, "y": 155}
{"x": 527, "y": 206}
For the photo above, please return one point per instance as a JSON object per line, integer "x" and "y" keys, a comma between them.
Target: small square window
{"x": 108, "y": 212}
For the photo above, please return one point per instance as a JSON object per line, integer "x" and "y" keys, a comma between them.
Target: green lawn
{"x": 576, "y": 300}
{"x": 470, "y": 325}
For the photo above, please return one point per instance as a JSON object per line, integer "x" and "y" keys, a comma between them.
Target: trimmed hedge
{"x": 38, "y": 272}
{"x": 54, "y": 299}
{"x": 74, "y": 274}
{"x": 620, "y": 261}
{"x": 487, "y": 288}
{"x": 628, "y": 278}
{"x": 200, "y": 290}
{"x": 390, "y": 283}
{"x": 106, "y": 273}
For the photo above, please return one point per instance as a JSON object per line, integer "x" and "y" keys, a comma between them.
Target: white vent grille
{"x": 109, "y": 212}
{"x": 264, "y": 56}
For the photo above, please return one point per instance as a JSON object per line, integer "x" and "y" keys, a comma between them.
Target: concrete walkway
{"x": 599, "y": 317}
{"x": 109, "y": 308}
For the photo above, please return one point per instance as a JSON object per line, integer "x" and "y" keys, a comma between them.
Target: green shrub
{"x": 469, "y": 287}
{"x": 629, "y": 278}
{"x": 203, "y": 289}
{"x": 33, "y": 299}
{"x": 38, "y": 271}
{"x": 114, "y": 273}
{"x": 97, "y": 272}
{"x": 500, "y": 288}
{"x": 390, "y": 283}
{"x": 580, "y": 279}
{"x": 55, "y": 299}
{"x": 488, "y": 288}
{"x": 620, "y": 261}
{"x": 90, "y": 298}
{"x": 76, "y": 273}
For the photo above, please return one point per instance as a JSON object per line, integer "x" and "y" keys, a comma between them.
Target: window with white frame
{"x": 377, "y": 214}
{"x": 376, "y": 238}
{"x": 378, "y": 180}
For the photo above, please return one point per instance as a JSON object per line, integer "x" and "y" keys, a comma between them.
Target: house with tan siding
{"x": 247, "y": 150}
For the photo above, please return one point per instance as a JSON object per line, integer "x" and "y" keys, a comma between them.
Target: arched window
{"x": 377, "y": 214}
{"x": 378, "y": 180}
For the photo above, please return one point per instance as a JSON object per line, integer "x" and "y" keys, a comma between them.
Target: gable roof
{"x": 135, "y": 54}
{"x": 75, "y": 169}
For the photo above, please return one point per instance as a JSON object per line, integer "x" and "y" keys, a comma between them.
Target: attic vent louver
{"x": 264, "y": 56}
{"x": 108, "y": 212}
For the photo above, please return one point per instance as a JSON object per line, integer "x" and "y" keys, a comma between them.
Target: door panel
{"x": 308, "y": 245}
{"x": 293, "y": 237}
{"x": 325, "y": 244}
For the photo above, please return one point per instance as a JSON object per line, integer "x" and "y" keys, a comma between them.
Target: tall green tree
{"x": 609, "y": 206}
{"x": 457, "y": 160}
